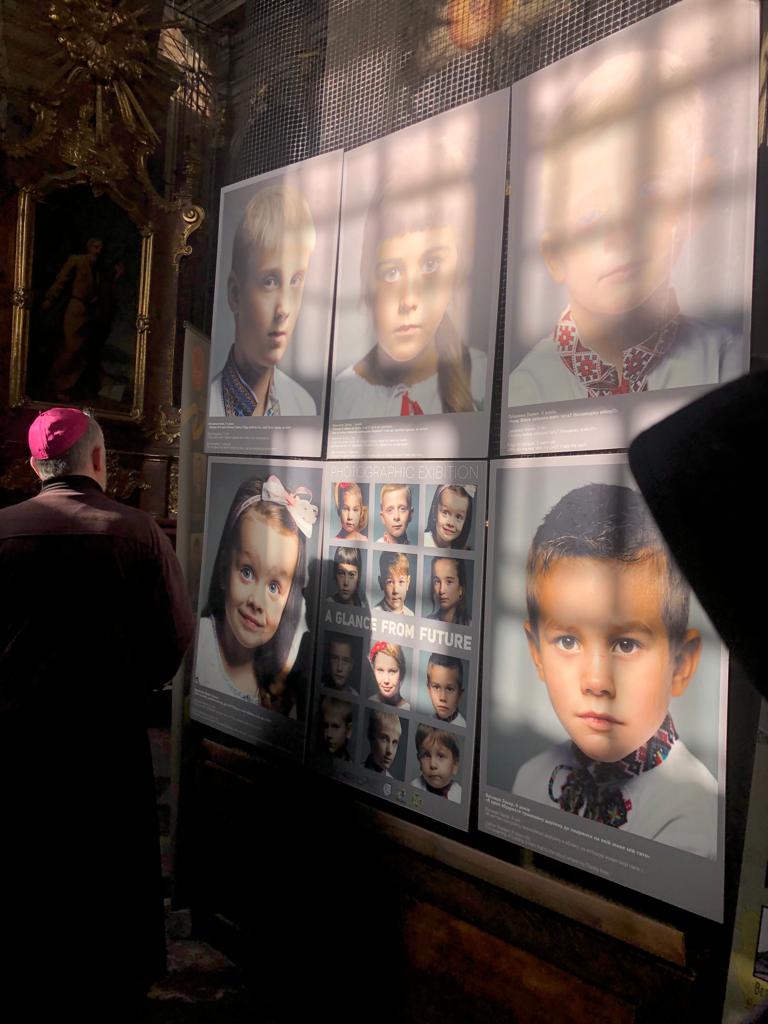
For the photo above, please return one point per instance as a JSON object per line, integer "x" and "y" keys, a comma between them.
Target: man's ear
{"x": 551, "y": 256}
{"x": 233, "y": 293}
{"x": 98, "y": 458}
{"x": 33, "y": 464}
{"x": 533, "y": 647}
{"x": 686, "y": 662}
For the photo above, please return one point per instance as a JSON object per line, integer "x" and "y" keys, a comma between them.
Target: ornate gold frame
{"x": 21, "y": 304}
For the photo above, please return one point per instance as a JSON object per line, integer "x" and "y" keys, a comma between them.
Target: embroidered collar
{"x": 602, "y": 379}
{"x": 239, "y": 400}
{"x": 593, "y": 788}
{"x": 450, "y": 718}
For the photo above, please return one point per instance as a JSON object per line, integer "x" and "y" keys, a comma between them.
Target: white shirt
{"x": 385, "y": 608}
{"x": 702, "y": 354}
{"x": 674, "y": 803}
{"x": 355, "y": 399}
{"x": 209, "y": 666}
{"x": 293, "y": 399}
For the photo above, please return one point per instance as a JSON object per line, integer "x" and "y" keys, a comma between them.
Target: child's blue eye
{"x": 298, "y": 278}
{"x": 274, "y": 588}
{"x": 247, "y": 573}
{"x": 270, "y": 281}
{"x": 430, "y": 264}
{"x": 625, "y": 645}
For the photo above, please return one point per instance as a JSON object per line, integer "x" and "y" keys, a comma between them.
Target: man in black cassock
{"x": 94, "y": 614}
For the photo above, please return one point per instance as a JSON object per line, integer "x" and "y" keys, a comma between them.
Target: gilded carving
{"x": 121, "y": 481}
{"x": 192, "y": 218}
{"x": 165, "y": 429}
{"x": 173, "y": 488}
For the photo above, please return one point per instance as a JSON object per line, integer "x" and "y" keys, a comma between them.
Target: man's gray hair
{"x": 75, "y": 459}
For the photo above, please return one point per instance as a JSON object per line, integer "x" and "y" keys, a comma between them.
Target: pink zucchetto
{"x": 55, "y": 431}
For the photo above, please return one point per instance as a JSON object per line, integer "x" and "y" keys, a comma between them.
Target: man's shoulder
{"x": 74, "y": 511}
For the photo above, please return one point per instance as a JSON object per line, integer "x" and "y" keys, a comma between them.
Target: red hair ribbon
{"x": 377, "y": 648}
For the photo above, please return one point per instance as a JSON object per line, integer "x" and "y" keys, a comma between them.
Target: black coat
{"x": 94, "y": 614}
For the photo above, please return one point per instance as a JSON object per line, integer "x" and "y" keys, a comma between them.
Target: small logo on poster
{"x": 387, "y": 788}
{"x": 402, "y": 795}
{"x": 416, "y": 800}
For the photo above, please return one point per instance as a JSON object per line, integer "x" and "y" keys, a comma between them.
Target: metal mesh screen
{"x": 326, "y": 74}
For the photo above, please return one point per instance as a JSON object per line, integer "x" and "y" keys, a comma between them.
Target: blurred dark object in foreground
{"x": 703, "y": 471}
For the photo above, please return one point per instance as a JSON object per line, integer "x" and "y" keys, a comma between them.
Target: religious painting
{"x": 82, "y": 274}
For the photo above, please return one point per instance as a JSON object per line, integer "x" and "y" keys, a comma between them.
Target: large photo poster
{"x": 605, "y": 686}
{"x": 273, "y": 309}
{"x": 418, "y": 287}
{"x": 258, "y": 601}
{"x": 394, "y": 708}
{"x": 631, "y": 224}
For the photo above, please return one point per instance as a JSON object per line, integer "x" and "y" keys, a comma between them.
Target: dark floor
{"x": 202, "y": 985}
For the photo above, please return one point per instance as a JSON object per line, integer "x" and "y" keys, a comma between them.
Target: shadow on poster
{"x": 394, "y": 712}
{"x": 631, "y": 228}
{"x": 258, "y": 601}
{"x": 605, "y": 686}
{"x": 273, "y": 309}
{"x": 417, "y": 293}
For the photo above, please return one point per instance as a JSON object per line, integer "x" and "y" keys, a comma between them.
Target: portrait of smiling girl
{"x": 254, "y": 618}
{"x": 416, "y": 247}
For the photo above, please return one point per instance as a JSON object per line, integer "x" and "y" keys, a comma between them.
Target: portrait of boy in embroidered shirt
{"x": 271, "y": 252}
{"x": 624, "y": 182}
{"x": 396, "y": 512}
{"x": 396, "y": 571}
{"x": 608, "y": 633}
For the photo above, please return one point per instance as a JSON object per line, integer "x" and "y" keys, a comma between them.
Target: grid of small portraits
{"x": 394, "y": 708}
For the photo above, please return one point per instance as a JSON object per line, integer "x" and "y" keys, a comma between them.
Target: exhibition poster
{"x": 273, "y": 310}
{"x": 748, "y": 971}
{"x": 631, "y": 228}
{"x": 418, "y": 288}
{"x": 604, "y": 686}
{"x": 258, "y": 601}
{"x": 395, "y": 699}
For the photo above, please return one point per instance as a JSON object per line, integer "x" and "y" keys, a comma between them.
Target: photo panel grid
{"x": 273, "y": 310}
{"x": 259, "y": 588}
{"x": 604, "y": 686}
{"x": 631, "y": 228}
{"x": 399, "y": 636}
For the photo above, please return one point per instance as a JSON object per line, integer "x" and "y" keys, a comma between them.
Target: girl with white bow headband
{"x": 249, "y": 633}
